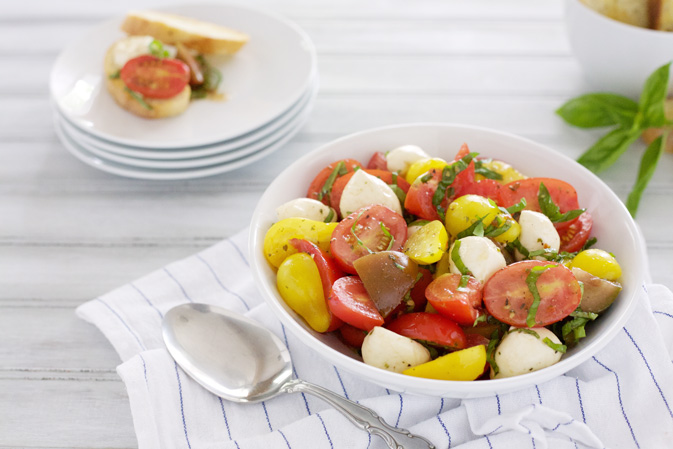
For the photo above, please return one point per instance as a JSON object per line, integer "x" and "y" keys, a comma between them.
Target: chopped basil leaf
{"x": 455, "y": 257}
{"x": 531, "y": 282}
{"x": 449, "y": 174}
{"x": 518, "y": 207}
{"x": 387, "y": 233}
{"x": 484, "y": 171}
{"x": 399, "y": 193}
{"x": 462, "y": 285}
{"x": 591, "y": 242}
{"x": 157, "y": 49}
{"x": 115, "y": 75}
{"x": 483, "y": 318}
{"x": 477, "y": 228}
{"x": 526, "y": 331}
{"x": 497, "y": 228}
{"x": 357, "y": 239}
{"x": 339, "y": 170}
{"x": 426, "y": 177}
{"x": 139, "y": 98}
{"x": 558, "y": 347}
{"x": 212, "y": 77}
{"x": 490, "y": 349}
{"x": 551, "y": 210}
{"x": 330, "y": 216}
{"x": 580, "y": 314}
{"x": 516, "y": 244}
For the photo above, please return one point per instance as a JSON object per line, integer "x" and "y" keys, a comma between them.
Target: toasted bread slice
{"x": 149, "y": 107}
{"x": 203, "y": 37}
{"x": 633, "y": 12}
{"x": 663, "y": 15}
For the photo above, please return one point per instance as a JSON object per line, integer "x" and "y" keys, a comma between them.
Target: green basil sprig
{"x": 629, "y": 120}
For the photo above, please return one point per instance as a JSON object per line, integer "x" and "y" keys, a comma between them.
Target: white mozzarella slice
{"x": 401, "y": 158}
{"x": 537, "y": 232}
{"x": 393, "y": 352}
{"x": 519, "y": 352}
{"x": 305, "y": 208}
{"x": 363, "y": 190}
{"x": 134, "y": 46}
{"x": 480, "y": 256}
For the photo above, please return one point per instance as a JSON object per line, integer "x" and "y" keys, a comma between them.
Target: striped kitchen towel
{"x": 620, "y": 398}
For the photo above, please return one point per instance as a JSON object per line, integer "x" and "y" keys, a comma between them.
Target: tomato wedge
{"x": 153, "y": 77}
{"x": 449, "y": 298}
{"x": 431, "y": 328}
{"x": 576, "y": 235}
{"x": 508, "y": 298}
{"x": 318, "y": 190}
{"x": 383, "y": 175}
{"x": 378, "y": 161}
{"x": 369, "y": 229}
{"x": 352, "y": 336}
{"x": 351, "y": 303}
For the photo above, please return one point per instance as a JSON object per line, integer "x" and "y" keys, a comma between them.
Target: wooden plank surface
{"x": 69, "y": 233}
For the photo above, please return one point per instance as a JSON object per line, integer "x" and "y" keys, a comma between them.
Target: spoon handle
{"x": 363, "y": 417}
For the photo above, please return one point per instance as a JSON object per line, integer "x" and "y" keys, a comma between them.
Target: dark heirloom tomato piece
{"x": 155, "y": 78}
{"x": 508, "y": 297}
{"x": 378, "y": 162}
{"x": 315, "y": 190}
{"x": 369, "y": 229}
{"x": 431, "y": 328}
{"x": 574, "y": 236}
{"x": 388, "y": 276}
{"x": 418, "y": 292}
{"x": 459, "y": 302}
{"x": 383, "y": 175}
{"x": 351, "y": 303}
{"x": 352, "y": 336}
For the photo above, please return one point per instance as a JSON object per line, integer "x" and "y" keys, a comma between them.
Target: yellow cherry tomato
{"x": 277, "y": 239}
{"x": 299, "y": 284}
{"x": 463, "y": 212}
{"x": 466, "y": 364}
{"x": 428, "y": 244}
{"x": 600, "y": 263}
{"x": 512, "y": 233}
{"x": 505, "y": 170}
{"x": 423, "y": 166}
{"x": 443, "y": 266}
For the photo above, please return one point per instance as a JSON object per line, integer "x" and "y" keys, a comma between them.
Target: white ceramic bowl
{"x": 613, "y": 226}
{"x": 615, "y": 56}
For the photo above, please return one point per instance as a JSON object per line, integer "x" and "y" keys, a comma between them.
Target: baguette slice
{"x": 158, "y": 108}
{"x": 663, "y": 15}
{"x": 633, "y": 12}
{"x": 203, "y": 37}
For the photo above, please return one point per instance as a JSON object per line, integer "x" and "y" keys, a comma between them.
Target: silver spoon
{"x": 239, "y": 360}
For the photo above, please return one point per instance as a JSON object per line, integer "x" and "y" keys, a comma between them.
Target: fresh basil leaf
{"x": 601, "y": 109}
{"x": 551, "y": 210}
{"x": 486, "y": 172}
{"x": 555, "y": 346}
{"x": 591, "y": 242}
{"x": 449, "y": 174}
{"x": 157, "y": 49}
{"x": 139, "y": 98}
{"x": 339, "y": 170}
{"x": 455, "y": 257}
{"x": 514, "y": 208}
{"x": 330, "y": 216}
{"x": 648, "y": 164}
{"x": 652, "y": 98}
{"x": 531, "y": 282}
{"x": 115, "y": 75}
{"x": 476, "y": 228}
{"x": 608, "y": 149}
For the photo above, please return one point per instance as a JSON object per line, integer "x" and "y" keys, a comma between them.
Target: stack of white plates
{"x": 269, "y": 88}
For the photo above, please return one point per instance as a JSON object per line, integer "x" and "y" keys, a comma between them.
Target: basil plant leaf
{"x": 601, "y": 109}
{"x": 648, "y": 164}
{"x": 652, "y": 98}
{"x": 608, "y": 149}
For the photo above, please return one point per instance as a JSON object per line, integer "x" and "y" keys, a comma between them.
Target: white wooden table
{"x": 69, "y": 233}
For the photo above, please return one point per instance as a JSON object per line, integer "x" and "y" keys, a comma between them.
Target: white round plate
{"x": 289, "y": 128}
{"x": 264, "y": 79}
{"x": 204, "y": 156}
{"x": 120, "y": 169}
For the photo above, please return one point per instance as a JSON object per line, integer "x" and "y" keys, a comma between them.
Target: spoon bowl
{"x": 239, "y": 360}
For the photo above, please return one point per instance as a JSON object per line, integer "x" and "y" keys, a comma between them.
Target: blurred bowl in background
{"x": 616, "y": 57}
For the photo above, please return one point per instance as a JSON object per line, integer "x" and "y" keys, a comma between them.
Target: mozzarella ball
{"x": 393, "y": 352}
{"x": 519, "y": 352}
{"x": 537, "y": 232}
{"x": 363, "y": 190}
{"x": 480, "y": 256}
{"x": 305, "y": 208}
{"x": 401, "y": 158}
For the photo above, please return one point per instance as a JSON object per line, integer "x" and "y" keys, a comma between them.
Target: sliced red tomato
{"x": 488, "y": 188}
{"x": 328, "y": 269}
{"x": 431, "y": 328}
{"x": 378, "y": 161}
{"x": 363, "y": 232}
{"x": 449, "y": 298}
{"x": 352, "y": 336}
{"x": 383, "y": 175}
{"x": 318, "y": 190}
{"x": 153, "y": 77}
{"x": 577, "y": 233}
{"x": 508, "y": 298}
{"x": 351, "y": 303}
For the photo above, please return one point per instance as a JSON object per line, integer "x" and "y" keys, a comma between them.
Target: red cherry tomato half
{"x": 351, "y": 303}
{"x": 576, "y": 235}
{"x": 362, "y": 232}
{"x": 383, "y": 175}
{"x": 315, "y": 190}
{"x": 508, "y": 298}
{"x": 378, "y": 161}
{"x": 448, "y": 298}
{"x": 419, "y": 197}
{"x": 155, "y": 78}
{"x": 352, "y": 336}
{"x": 429, "y": 327}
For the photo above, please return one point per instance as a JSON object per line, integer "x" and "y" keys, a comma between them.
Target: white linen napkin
{"x": 621, "y": 398}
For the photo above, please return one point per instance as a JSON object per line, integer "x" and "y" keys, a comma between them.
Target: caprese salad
{"x": 458, "y": 269}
